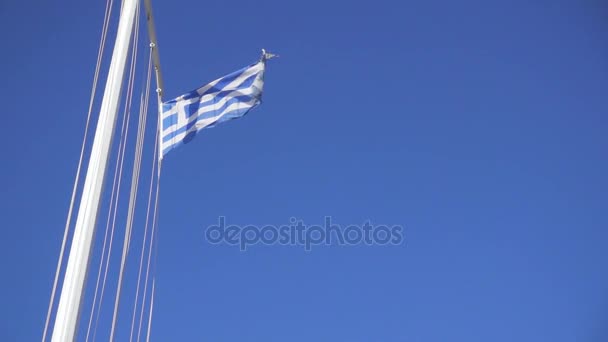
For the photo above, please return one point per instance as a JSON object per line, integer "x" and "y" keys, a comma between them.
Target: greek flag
{"x": 226, "y": 98}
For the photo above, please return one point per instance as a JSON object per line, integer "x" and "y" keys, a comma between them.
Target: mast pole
{"x": 159, "y": 95}
{"x": 154, "y": 47}
{"x": 157, "y": 71}
{"x": 68, "y": 311}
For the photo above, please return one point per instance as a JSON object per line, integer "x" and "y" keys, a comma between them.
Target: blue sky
{"x": 479, "y": 126}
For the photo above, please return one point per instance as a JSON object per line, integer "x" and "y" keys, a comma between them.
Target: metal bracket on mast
{"x": 154, "y": 47}
{"x": 156, "y": 62}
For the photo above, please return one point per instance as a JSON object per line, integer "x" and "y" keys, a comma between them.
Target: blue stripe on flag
{"x": 193, "y": 108}
{"x": 209, "y": 114}
{"x": 234, "y": 114}
{"x": 169, "y": 121}
{"x": 226, "y": 80}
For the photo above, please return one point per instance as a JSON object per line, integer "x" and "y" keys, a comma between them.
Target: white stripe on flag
{"x": 234, "y": 95}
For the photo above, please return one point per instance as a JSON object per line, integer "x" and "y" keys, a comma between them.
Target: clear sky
{"x": 479, "y": 126}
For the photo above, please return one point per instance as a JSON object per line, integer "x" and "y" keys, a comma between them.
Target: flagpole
{"x": 159, "y": 96}
{"x": 154, "y": 46}
{"x": 68, "y": 311}
{"x": 157, "y": 71}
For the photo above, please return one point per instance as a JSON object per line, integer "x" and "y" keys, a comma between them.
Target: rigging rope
{"x": 155, "y": 240}
{"x": 104, "y": 32}
{"x": 113, "y": 207}
{"x": 133, "y": 196}
{"x": 152, "y": 240}
{"x": 141, "y": 258}
{"x": 151, "y": 307}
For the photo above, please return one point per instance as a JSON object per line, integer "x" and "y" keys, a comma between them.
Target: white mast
{"x": 68, "y": 312}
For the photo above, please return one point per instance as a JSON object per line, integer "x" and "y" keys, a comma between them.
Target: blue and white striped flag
{"x": 226, "y": 98}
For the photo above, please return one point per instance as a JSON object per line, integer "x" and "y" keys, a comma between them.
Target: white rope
{"x": 113, "y": 207}
{"x": 111, "y": 218}
{"x": 151, "y": 308}
{"x": 152, "y": 237}
{"x": 133, "y": 197}
{"x": 141, "y": 258}
{"x": 104, "y": 31}
{"x": 154, "y": 240}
